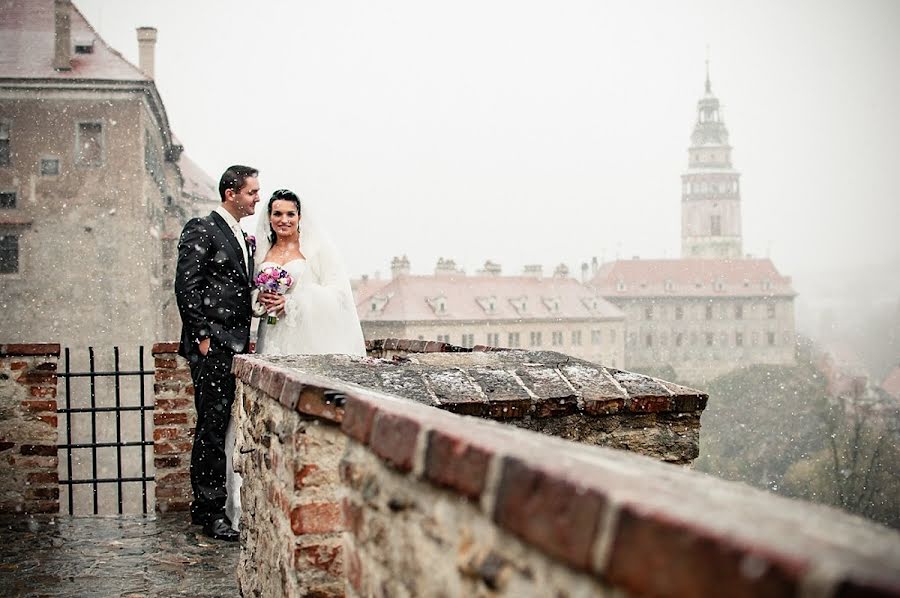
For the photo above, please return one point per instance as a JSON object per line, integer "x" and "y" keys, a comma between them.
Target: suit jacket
{"x": 212, "y": 287}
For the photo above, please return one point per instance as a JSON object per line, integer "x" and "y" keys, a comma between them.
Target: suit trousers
{"x": 214, "y": 389}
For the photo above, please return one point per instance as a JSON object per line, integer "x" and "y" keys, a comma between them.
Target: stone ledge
{"x": 27, "y": 349}
{"x": 640, "y": 525}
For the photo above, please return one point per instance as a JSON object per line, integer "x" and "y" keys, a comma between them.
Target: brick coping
{"x": 638, "y": 524}
{"x": 30, "y": 349}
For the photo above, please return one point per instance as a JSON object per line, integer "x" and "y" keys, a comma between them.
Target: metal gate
{"x": 110, "y": 403}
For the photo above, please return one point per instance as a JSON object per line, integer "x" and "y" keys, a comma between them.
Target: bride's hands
{"x": 273, "y": 302}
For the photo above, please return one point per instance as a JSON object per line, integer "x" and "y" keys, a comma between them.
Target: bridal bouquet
{"x": 273, "y": 279}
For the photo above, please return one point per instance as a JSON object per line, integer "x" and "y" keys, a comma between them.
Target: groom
{"x": 212, "y": 289}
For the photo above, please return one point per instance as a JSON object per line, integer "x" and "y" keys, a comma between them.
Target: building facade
{"x": 94, "y": 187}
{"x": 528, "y": 311}
{"x": 713, "y": 310}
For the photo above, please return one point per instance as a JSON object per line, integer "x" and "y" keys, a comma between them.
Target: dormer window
{"x": 767, "y": 285}
{"x": 591, "y": 303}
{"x": 669, "y": 286}
{"x": 378, "y": 303}
{"x": 552, "y": 304}
{"x": 84, "y": 47}
{"x": 520, "y": 304}
{"x": 488, "y": 304}
{"x": 438, "y": 304}
{"x": 620, "y": 286}
{"x": 720, "y": 286}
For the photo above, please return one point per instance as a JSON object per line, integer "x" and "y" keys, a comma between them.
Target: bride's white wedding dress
{"x": 319, "y": 317}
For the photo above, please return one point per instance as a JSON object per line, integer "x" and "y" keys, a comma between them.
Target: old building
{"x": 528, "y": 311}
{"x": 94, "y": 186}
{"x": 713, "y": 310}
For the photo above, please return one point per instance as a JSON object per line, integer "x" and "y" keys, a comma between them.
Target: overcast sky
{"x": 541, "y": 132}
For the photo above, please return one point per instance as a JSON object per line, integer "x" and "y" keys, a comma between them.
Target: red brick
{"x": 649, "y": 404}
{"x": 394, "y": 439}
{"x": 166, "y": 363}
{"x": 603, "y": 406}
{"x": 42, "y": 391}
{"x": 35, "y": 377}
{"x": 452, "y": 462}
{"x": 173, "y": 492}
{"x": 37, "y": 406}
{"x": 325, "y": 557}
{"x": 548, "y": 511}
{"x": 317, "y": 518}
{"x": 42, "y": 493}
{"x": 161, "y": 348}
{"x": 170, "y": 505}
{"x": 354, "y": 570}
{"x": 172, "y": 448}
{"x": 653, "y": 554}
{"x": 174, "y": 478}
{"x": 180, "y": 375}
{"x": 44, "y": 450}
{"x": 290, "y": 392}
{"x": 353, "y": 516}
{"x": 18, "y": 365}
{"x": 166, "y": 462}
{"x": 35, "y": 462}
{"x": 30, "y": 349}
{"x": 162, "y": 419}
{"x": 173, "y": 404}
{"x": 50, "y": 420}
{"x": 41, "y": 506}
{"x": 5, "y": 446}
{"x": 169, "y": 433}
{"x": 312, "y": 401}
{"x": 358, "y": 417}
{"x": 43, "y": 477}
{"x": 301, "y": 475}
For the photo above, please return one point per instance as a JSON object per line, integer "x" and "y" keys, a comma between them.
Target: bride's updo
{"x": 284, "y": 195}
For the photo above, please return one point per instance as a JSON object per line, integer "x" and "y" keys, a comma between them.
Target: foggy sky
{"x": 542, "y": 132}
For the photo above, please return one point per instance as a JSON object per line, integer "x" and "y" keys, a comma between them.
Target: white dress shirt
{"x": 235, "y": 227}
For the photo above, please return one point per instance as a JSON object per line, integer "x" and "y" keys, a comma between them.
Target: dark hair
{"x": 283, "y": 195}
{"x": 234, "y": 178}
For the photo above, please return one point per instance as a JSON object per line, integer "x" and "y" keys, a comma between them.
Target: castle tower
{"x": 710, "y": 196}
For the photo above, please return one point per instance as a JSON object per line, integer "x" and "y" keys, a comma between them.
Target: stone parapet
{"x": 434, "y": 503}
{"x": 28, "y": 428}
{"x": 174, "y": 419}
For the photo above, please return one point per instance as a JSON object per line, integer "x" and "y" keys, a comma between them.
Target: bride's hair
{"x": 284, "y": 195}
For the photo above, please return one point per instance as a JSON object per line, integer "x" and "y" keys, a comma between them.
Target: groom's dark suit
{"x": 212, "y": 289}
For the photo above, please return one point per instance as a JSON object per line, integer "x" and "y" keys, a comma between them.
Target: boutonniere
{"x": 251, "y": 242}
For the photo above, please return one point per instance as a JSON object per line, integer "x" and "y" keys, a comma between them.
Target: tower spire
{"x": 708, "y": 86}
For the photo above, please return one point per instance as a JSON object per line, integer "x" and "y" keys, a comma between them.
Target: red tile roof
{"x": 691, "y": 278}
{"x": 418, "y": 298}
{"x": 27, "y": 39}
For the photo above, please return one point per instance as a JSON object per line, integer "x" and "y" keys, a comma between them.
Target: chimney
{"x": 561, "y": 271}
{"x": 147, "y": 50}
{"x": 447, "y": 267}
{"x": 62, "y": 53}
{"x": 490, "y": 269}
{"x": 535, "y": 270}
{"x": 399, "y": 267}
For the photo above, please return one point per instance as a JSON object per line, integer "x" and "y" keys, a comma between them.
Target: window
{"x": 612, "y": 336}
{"x": 715, "y": 226}
{"x": 49, "y": 166}
{"x": 679, "y": 339}
{"x": 9, "y": 253}
{"x": 709, "y": 310}
{"x": 84, "y": 47}
{"x": 754, "y": 338}
{"x": 89, "y": 144}
{"x": 536, "y": 339}
{"x": 467, "y": 340}
{"x": 771, "y": 338}
{"x": 493, "y": 339}
{"x": 738, "y": 312}
{"x": 648, "y": 312}
{"x": 770, "y": 311}
{"x": 7, "y": 200}
{"x": 576, "y": 337}
{"x": 693, "y": 339}
{"x": 709, "y": 339}
{"x": 679, "y": 312}
{"x": 632, "y": 339}
{"x": 443, "y": 338}
{"x": 557, "y": 338}
{"x": 513, "y": 339}
{"x": 596, "y": 337}
{"x": 648, "y": 340}
{"x": 723, "y": 339}
{"x": 4, "y": 144}
{"x": 739, "y": 339}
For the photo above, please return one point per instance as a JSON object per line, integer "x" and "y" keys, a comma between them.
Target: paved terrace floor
{"x": 107, "y": 557}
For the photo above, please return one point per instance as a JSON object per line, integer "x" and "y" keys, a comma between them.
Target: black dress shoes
{"x": 220, "y": 529}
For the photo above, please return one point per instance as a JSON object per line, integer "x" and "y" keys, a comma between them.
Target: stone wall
{"x": 435, "y": 503}
{"x": 28, "y": 428}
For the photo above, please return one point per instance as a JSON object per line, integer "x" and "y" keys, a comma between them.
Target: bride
{"x": 316, "y": 315}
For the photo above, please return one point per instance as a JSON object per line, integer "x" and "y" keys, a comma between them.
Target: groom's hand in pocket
{"x": 204, "y": 346}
